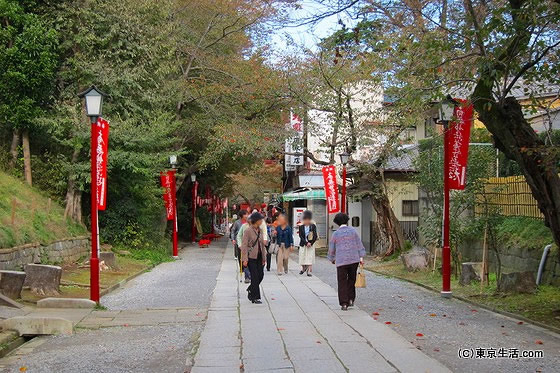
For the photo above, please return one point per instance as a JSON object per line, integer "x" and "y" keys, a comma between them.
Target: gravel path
{"x": 188, "y": 282}
{"x": 448, "y": 325}
{"x": 163, "y": 347}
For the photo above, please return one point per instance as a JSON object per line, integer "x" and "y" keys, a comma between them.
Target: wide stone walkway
{"x": 298, "y": 328}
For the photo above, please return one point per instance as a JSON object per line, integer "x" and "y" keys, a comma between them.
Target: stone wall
{"x": 515, "y": 259}
{"x": 63, "y": 251}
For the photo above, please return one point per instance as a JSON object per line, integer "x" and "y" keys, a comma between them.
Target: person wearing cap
{"x": 346, "y": 250}
{"x": 307, "y": 238}
{"x": 253, "y": 254}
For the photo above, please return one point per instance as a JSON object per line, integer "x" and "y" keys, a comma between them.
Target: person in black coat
{"x": 307, "y": 238}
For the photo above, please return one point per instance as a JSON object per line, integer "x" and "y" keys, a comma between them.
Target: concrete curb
{"x": 480, "y": 305}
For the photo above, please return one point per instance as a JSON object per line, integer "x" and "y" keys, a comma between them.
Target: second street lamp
{"x": 94, "y": 104}
{"x": 194, "y": 191}
{"x": 173, "y": 163}
{"x": 344, "y": 158}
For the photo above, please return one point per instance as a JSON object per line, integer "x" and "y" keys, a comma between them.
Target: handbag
{"x": 272, "y": 248}
{"x": 360, "y": 277}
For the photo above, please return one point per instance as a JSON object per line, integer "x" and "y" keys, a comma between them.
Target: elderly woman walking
{"x": 346, "y": 251}
{"x": 307, "y": 238}
{"x": 253, "y": 255}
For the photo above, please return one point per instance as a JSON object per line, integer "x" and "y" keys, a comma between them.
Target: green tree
{"x": 28, "y": 62}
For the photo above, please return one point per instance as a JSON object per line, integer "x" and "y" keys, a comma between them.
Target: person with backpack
{"x": 307, "y": 238}
{"x": 253, "y": 254}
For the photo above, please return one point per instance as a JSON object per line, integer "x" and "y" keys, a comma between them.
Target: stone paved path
{"x": 298, "y": 328}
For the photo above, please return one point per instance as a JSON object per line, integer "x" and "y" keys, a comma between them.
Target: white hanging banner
{"x": 294, "y": 144}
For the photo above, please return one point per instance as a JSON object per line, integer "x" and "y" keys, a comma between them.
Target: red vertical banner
{"x": 102, "y": 134}
{"x": 458, "y": 145}
{"x": 167, "y": 182}
{"x": 331, "y": 189}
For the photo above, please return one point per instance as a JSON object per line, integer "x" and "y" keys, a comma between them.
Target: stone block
{"x": 470, "y": 271}
{"x": 416, "y": 259}
{"x": 109, "y": 258}
{"x": 11, "y": 283}
{"x": 518, "y": 282}
{"x": 65, "y": 303}
{"x": 43, "y": 279}
{"x": 28, "y": 325}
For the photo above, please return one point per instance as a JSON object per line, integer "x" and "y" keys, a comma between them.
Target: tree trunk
{"x": 26, "y": 157}
{"x": 16, "y": 138}
{"x": 389, "y": 228}
{"x": 514, "y": 136}
{"x": 73, "y": 207}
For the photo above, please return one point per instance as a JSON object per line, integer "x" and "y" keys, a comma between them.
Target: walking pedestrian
{"x": 285, "y": 242}
{"x": 346, "y": 251}
{"x": 237, "y": 236}
{"x": 253, "y": 253}
{"x": 271, "y": 246}
{"x": 307, "y": 236}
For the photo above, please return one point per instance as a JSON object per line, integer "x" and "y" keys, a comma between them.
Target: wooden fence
{"x": 510, "y": 196}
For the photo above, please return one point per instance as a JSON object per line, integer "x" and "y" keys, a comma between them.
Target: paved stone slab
{"x": 65, "y": 303}
{"x": 26, "y": 325}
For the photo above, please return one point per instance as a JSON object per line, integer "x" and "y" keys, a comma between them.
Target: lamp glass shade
{"x": 94, "y": 102}
{"x": 173, "y": 160}
{"x": 193, "y": 177}
{"x": 344, "y": 157}
{"x": 446, "y": 109}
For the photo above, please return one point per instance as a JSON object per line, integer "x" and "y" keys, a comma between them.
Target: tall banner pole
{"x": 446, "y": 250}
{"x": 175, "y": 227}
{"x": 94, "y": 259}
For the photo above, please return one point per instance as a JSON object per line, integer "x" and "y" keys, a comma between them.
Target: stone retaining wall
{"x": 516, "y": 259}
{"x": 63, "y": 251}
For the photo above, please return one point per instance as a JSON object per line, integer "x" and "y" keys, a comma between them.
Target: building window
{"x": 410, "y": 208}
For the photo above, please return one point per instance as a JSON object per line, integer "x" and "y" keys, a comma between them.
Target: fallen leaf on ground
{"x": 520, "y": 323}
{"x": 436, "y": 349}
{"x": 388, "y": 322}
{"x": 502, "y": 326}
{"x": 419, "y": 334}
{"x": 281, "y": 329}
{"x": 444, "y": 315}
{"x": 504, "y": 333}
{"x": 318, "y": 342}
{"x": 272, "y": 298}
{"x": 539, "y": 342}
{"x": 125, "y": 324}
{"x": 461, "y": 323}
{"x": 375, "y": 317}
{"x": 420, "y": 307}
{"x": 432, "y": 314}
{"x": 23, "y": 369}
{"x": 474, "y": 310}
{"x": 375, "y": 314}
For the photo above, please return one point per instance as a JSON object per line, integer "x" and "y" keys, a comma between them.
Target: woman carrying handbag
{"x": 346, "y": 250}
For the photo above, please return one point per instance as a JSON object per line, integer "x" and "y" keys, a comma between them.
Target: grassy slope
{"x": 34, "y": 220}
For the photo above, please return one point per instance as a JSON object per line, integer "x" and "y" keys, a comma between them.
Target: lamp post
{"x": 445, "y": 113}
{"x": 194, "y": 190}
{"x": 94, "y": 103}
{"x": 344, "y": 157}
{"x": 173, "y": 163}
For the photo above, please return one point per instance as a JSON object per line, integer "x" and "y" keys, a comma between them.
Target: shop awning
{"x": 308, "y": 194}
